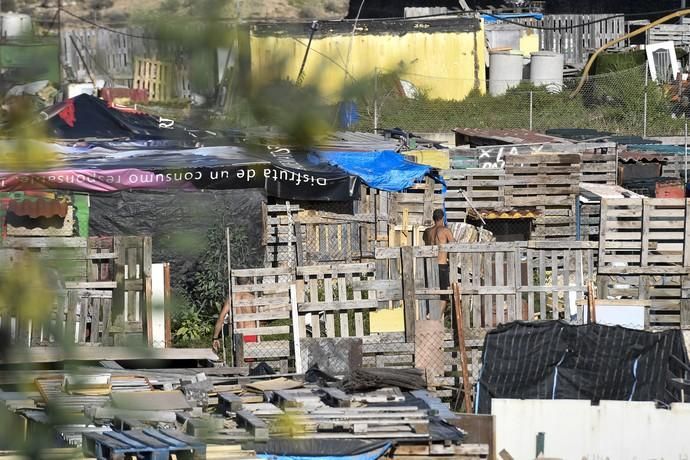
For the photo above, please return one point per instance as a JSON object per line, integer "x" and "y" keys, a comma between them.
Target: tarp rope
{"x": 555, "y": 375}
{"x": 634, "y": 372}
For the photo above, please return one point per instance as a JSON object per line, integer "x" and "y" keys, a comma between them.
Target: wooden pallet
{"x": 644, "y": 254}
{"x": 145, "y": 444}
{"x": 154, "y": 76}
{"x": 417, "y": 203}
{"x": 599, "y": 168}
{"x": 485, "y": 189}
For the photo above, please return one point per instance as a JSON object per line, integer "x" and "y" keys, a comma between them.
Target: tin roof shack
{"x": 455, "y": 45}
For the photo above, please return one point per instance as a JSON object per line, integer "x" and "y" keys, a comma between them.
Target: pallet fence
{"x": 644, "y": 254}
{"x": 102, "y": 288}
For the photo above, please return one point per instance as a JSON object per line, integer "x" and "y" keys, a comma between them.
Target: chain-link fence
{"x": 625, "y": 102}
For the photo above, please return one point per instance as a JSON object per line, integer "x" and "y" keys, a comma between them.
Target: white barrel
{"x": 505, "y": 71}
{"x": 14, "y": 25}
{"x": 546, "y": 69}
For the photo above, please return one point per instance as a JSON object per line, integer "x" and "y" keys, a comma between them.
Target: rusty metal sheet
{"x": 41, "y": 207}
{"x": 486, "y": 136}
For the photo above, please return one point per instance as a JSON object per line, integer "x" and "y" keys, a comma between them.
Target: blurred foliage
{"x": 200, "y": 298}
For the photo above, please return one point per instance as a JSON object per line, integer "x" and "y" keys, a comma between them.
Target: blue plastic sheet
{"x": 371, "y": 455}
{"x": 494, "y": 18}
{"x": 386, "y": 170}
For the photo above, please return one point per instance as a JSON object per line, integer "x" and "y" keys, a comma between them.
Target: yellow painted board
{"x": 387, "y": 320}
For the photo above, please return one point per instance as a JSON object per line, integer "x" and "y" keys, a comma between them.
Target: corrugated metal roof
{"x": 507, "y": 136}
{"x": 505, "y": 213}
{"x": 357, "y": 141}
{"x": 41, "y": 207}
{"x": 634, "y": 156}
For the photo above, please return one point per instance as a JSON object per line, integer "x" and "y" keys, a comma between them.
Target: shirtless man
{"x": 239, "y": 310}
{"x": 434, "y": 236}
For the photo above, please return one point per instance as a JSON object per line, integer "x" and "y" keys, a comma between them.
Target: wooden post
{"x": 167, "y": 305}
{"x": 603, "y": 217}
{"x": 409, "y": 297}
{"x": 591, "y": 303}
{"x": 295, "y": 329}
{"x": 147, "y": 295}
{"x": 460, "y": 325}
{"x": 230, "y": 312}
{"x": 117, "y": 311}
{"x": 428, "y": 201}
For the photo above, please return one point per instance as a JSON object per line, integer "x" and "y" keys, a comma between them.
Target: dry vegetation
{"x": 120, "y": 10}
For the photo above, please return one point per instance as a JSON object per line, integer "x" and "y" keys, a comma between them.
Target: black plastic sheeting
{"x": 86, "y": 116}
{"x": 556, "y": 360}
{"x": 318, "y": 447}
{"x": 179, "y": 222}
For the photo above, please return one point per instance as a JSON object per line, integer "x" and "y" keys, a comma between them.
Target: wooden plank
{"x": 342, "y": 297}
{"x": 95, "y": 320}
{"x": 359, "y": 317}
{"x": 98, "y": 353}
{"x": 488, "y": 304}
{"x": 131, "y": 261}
{"x": 330, "y": 320}
{"x": 475, "y": 308}
{"x": 314, "y": 299}
{"x": 118, "y": 309}
{"x": 500, "y": 299}
{"x": 554, "y": 282}
{"x": 542, "y": 282}
{"x": 409, "y": 299}
{"x": 147, "y": 295}
{"x": 530, "y": 282}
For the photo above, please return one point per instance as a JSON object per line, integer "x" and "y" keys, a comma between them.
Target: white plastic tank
{"x": 75, "y": 89}
{"x": 546, "y": 69}
{"x": 505, "y": 71}
{"x": 14, "y": 25}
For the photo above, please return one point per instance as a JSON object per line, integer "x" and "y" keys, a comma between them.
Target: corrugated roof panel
{"x": 41, "y": 207}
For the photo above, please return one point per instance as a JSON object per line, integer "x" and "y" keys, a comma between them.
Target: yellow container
{"x": 436, "y": 158}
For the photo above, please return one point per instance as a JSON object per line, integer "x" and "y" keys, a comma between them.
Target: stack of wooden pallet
{"x": 476, "y": 187}
{"x": 599, "y": 167}
{"x": 548, "y": 183}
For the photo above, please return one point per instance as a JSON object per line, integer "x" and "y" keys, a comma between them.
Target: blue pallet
{"x": 146, "y": 444}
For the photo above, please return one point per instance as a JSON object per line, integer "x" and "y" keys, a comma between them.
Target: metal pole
{"x": 60, "y": 50}
{"x": 646, "y": 82}
{"x": 300, "y": 76}
{"x": 376, "y": 102}
{"x": 530, "y": 109}
{"x": 230, "y": 312}
{"x": 686, "y": 152}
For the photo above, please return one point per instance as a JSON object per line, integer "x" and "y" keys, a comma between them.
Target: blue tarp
{"x": 371, "y": 455}
{"x": 493, "y": 18}
{"x": 386, "y": 170}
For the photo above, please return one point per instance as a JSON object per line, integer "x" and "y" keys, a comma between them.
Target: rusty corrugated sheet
{"x": 634, "y": 156}
{"x": 41, "y": 207}
{"x": 505, "y": 213}
{"x": 484, "y": 136}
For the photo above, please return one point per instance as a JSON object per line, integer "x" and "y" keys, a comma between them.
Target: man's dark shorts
{"x": 444, "y": 278}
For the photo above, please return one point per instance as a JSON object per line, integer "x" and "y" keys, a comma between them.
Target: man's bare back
{"x": 437, "y": 235}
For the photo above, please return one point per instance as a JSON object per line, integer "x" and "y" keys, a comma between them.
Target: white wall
{"x": 578, "y": 430}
